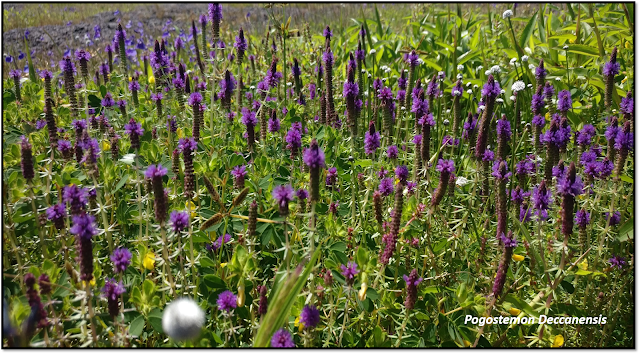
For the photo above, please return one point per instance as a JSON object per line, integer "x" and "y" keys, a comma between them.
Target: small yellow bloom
{"x": 514, "y": 311}
{"x": 92, "y": 282}
{"x": 180, "y": 133}
{"x": 130, "y": 79}
{"x": 298, "y": 324}
{"x": 362, "y": 294}
{"x": 208, "y": 45}
{"x": 558, "y": 341}
{"x": 627, "y": 45}
{"x": 105, "y": 145}
{"x": 192, "y": 207}
{"x": 517, "y": 258}
{"x": 466, "y": 343}
{"x": 624, "y": 80}
{"x": 222, "y": 265}
{"x": 152, "y": 80}
{"x": 584, "y": 264}
{"x": 572, "y": 40}
{"x": 149, "y": 260}
{"x": 547, "y": 116}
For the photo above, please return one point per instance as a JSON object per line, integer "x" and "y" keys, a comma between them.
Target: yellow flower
{"x": 558, "y": 341}
{"x": 191, "y": 206}
{"x": 584, "y": 264}
{"x": 92, "y": 282}
{"x": 627, "y": 45}
{"x": 547, "y": 116}
{"x": 152, "y": 80}
{"x": 130, "y": 78}
{"x": 149, "y": 260}
{"x": 105, "y": 145}
{"x": 222, "y": 265}
{"x": 514, "y": 311}
{"x": 180, "y": 134}
{"x": 466, "y": 343}
{"x": 572, "y": 40}
{"x": 298, "y": 324}
{"x": 208, "y": 45}
{"x": 624, "y": 80}
{"x": 517, "y": 258}
{"x": 362, "y": 294}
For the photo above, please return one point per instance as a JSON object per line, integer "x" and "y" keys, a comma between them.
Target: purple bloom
{"x": 332, "y": 176}
{"x": 402, "y": 172}
{"x": 448, "y": 140}
{"x": 274, "y": 125}
{"x": 57, "y": 214}
{"x": 155, "y": 171}
{"x": 615, "y": 218}
{"x": 240, "y": 43}
{"x": 314, "y": 157}
{"x": 349, "y": 272}
{"x": 227, "y": 301}
{"x": 215, "y": 12}
{"x": 155, "y": 97}
{"x": 294, "y": 140}
{"x": 564, "y": 101}
{"x": 249, "y": 117}
{"x": 617, "y": 261}
{"x": 583, "y": 137}
{"x": 488, "y": 155}
{"x": 503, "y": 128}
{"x": 302, "y": 194}
{"x": 377, "y": 85}
{"x": 624, "y": 140}
{"x": 392, "y": 152}
{"x": 583, "y": 218}
{"x": 111, "y": 291}
{"x": 537, "y": 102}
{"x": 500, "y": 170}
{"x": 491, "y": 88}
{"x": 541, "y": 198}
{"x": 309, "y": 316}
{"x": 371, "y": 139}
{"x": 227, "y": 85}
{"x": 566, "y": 186}
{"x": 76, "y": 197}
{"x": 282, "y": 339}
{"x": 283, "y": 195}
{"x": 327, "y": 32}
{"x": 412, "y": 59}
{"x": 179, "y": 220}
{"x": 108, "y": 101}
{"x": 386, "y": 186}
{"x": 84, "y": 226}
{"x": 626, "y": 104}
{"x": 121, "y": 258}
{"x": 509, "y": 242}
{"x": 611, "y": 69}
{"x": 541, "y": 72}
{"x": 417, "y": 139}
{"x": 548, "y": 90}
{"x": 445, "y": 166}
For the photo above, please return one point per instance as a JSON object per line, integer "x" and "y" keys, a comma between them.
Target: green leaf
{"x": 136, "y": 326}
{"x": 124, "y": 180}
{"x": 103, "y": 90}
{"x": 214, "y": 282}
{"x": 582, "y": 49}
{"x": 522, "y": 305}
{"x": 155, "y": 320}
{"x": 378, "y": 22}
{"x": 32, "y": 70}
{"x": 528, "y": 31}
{"x": 587, "y": 272}
{"x": 7, "y": 97}
{"x": 626, "y": 231}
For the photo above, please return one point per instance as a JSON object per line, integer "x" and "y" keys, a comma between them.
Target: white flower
{"x": 448, "y": 111}
{"x": 459, "y": 76}
{"x": 470, "y": 92}
{"x": 507, "y": 14}
{"x": 372, "y": 51}
{"x": 402, "y": 108}
{"x": 518, "y": 86}
{"x": 532, "y": 67}
{"x": 512, "y": 98}
{"x": 513, "y": 61}
{"x": 406, "y": 70}
{"x": 457, "y": 93}
{"x": 525, "y": 58}
{"x": 475, "y": 86}
{"x": 460, "y": 67}
{"x": 580, "y": 77}
{"x": 565, "y": 47}
{"x": 479, "y": 68}
{"x": 182, "y": 319}
{"x": 384, "y": 67}
{"x": 468, "y": 84}
{"x": 461, "y": 181}
{"x": 502, "y": 91}
{"x": 366, "y": 93}
{"x": 387, "y": 69}
{"x": 420, "y": 61}
{"x": 529, "y": 85}
{"x": 481, "y": 108}
{"x": 488, "y": 72}
{"x": 288, "y": 83}
{"x": 363, "y": 71}
{"x": 499, "y": 100}
{"x": 252, "y": 87}
{"x": 558, "y": 78}
{"x": 496, "y": 69}
{"x": 528, "y": 50}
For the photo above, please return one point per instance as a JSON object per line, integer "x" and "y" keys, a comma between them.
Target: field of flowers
{"x": 425, "y": 183}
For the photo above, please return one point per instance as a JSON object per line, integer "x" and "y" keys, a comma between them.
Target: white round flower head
{"x": 507, "y": 14}
{"x": 384, "y": 79}
{"x": 529, "y": 85}
{"x": 420, "y": 61}
{"x": 406, "y": 70}
{"x": 402, "y": 108}
{"x": 366, "y": 93}
{"x": 518, "y": 86}
{"x": 372, "y": 51}
{"x": 459, "y": 76}
{"x": 580, "y": 77}
{"x": 481, "y": 108}
{"x": 479, "y": 68}
{"x": 460, "y": 67}
{"x": 528, "y": 50}
{"x": 488, "y": 72}
{"x": 475, "y": 86}
{"x": 558, "y": 78}
{"x": 252, "y": 87}
{"x": 532, "y": 67}
{"x": 468, "y": 84}
{"x": 565, "y": 47}
{"x": 496, "y": 69}
{"x": 525, "y": 58}
{"x": 457, "y": 93}
{"x": 499, "y": 100}
{"x": 502, "y": 91}
{"x": 363, "y": 71}
{"x": 288, "y": 83}
{"x": 461, "y": 181}
{"x": 384, "y": 67}
{"x": 387, "y": 69}
{"x": 182, "y": 319}
{"x": 470, "y": 92}
{"x": 448, "y": 111}
{"x": 513, "y": 61}
{"x": 440, "y": 73}
{"x": 512, "y": 98}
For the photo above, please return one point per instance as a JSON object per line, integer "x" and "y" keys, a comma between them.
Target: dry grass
{"x": 35, "y": 15}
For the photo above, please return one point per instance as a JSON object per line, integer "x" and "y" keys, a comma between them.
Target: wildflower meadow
{"x": 325, "y": 175}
